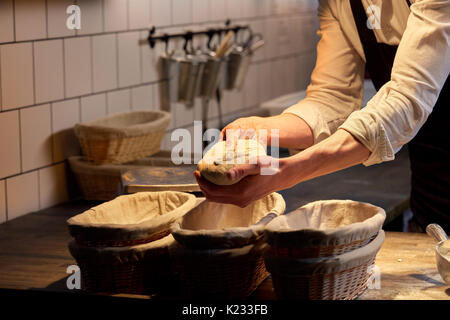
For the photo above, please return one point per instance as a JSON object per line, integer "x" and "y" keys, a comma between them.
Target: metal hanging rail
{"x": 188, "y": 35}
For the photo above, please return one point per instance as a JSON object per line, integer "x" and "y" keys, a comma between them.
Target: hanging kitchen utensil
{"x": 168, "y": 68}
{"x": 191, "y": 71}
{"x": 442, "y": 250}
{"x": 239, "y": 61}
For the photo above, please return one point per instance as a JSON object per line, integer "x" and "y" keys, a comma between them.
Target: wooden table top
{"x": 34, "y": 255}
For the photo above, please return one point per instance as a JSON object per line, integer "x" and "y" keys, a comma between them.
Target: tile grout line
{"x": 20, "y": 140}
{"x": 34, "y": 72}
{"x": 64, "y": 67}
{"x": 39, "y": 187}
{"x": 6, "y": 200}
{"x": 46, "y": 19}
{"x": 14, "y": 19}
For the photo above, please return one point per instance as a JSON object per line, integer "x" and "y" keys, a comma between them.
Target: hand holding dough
{"x": 223, "y": 156}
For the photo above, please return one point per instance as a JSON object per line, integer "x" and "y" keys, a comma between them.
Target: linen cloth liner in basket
{"x": 219, "y": 273}
{"x": 144, "y": 268}
{"x": 130, "y": 219}
{"x": 341, "y": 277}
{"x": 324, "y": 228}
{"x": 122, "y": 137}
{"x": 214, "y": 225}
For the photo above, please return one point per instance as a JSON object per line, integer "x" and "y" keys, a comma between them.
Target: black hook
{"x": 150, "y": 39}
{"x": 187, "y": 37}
{"x": 210, "y": 33}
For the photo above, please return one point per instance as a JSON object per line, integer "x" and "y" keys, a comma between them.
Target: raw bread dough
{"x": 220, "y": 159}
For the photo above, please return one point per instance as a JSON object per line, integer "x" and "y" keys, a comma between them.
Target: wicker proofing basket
{"x": 219, "y": 273}
{"x": 122, "y": 137}
{"x": 130, "y": 220}
{"x": 342, "y": 277}
{"x": 144, "y": 268}
{"x": 103, "y": 182}
{"x": 324, "y": 228}
{"x": 214, "y": 225}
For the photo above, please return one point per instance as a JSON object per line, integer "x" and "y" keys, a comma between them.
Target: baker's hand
{"x": 257, "y": 128}
{"x": 258, "y": 180}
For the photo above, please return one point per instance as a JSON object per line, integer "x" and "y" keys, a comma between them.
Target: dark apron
{"x": 429, "y": 151}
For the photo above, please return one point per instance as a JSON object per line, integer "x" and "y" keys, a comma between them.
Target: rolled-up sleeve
{"x": 336, "y": 84}
{"x": 421, "y": 66}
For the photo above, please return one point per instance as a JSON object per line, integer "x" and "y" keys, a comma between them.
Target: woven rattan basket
{"x": 139, "y": 269}
{"x": 122, "y": 137}
{"x": 341, "y": 277}
{"x": 219, "y": 273}
{"x": 324, "y": 228}
{"x": 213, "y": 225}
{"x": 103, "y": 182}
{"x": 130, "y": 220}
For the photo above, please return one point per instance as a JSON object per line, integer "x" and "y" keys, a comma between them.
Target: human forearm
{"x": 341, "y": 150}
{"x": 290, "y": 130}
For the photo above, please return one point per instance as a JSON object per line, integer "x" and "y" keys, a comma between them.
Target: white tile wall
{"x": 129, "y": 59}
{"x": 52, "y": 185}
{"x": 235, "y": 8}
{"x": 35, "y": 128}
{"x": 104, "y": 62}
{"x": 57, "y": 17}
{"x": 22, "y": 194}
{"x": 78, "y": 66}
{"x": 101, "y": 69}
{"x": 16, "y": 64}
{"x": 6, "y": 21}
{"x": 218, "y": 10}
{"x": 91, "y": 16}
{"x": 161, "y": 12}
{"x": 49, "y": 70}
{"x": 142, "y": 98}
{"x": 150, "y": 59}
{"x": 201, "y": 10}
{"x": 9, "y": 143}
{"x": 119, "y": 101}
{"x": 93, "y": 107}
{"x": 65, "y": 115}
{"x": 181, "y": 11}
{"x": 139, "y": 14}
{"x": 115, "y": 13}
{"x": 2, "y": 201}
{"x": 30, "y": 19}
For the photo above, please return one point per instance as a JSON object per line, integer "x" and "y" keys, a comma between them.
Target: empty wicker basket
{"x": 219, "y": 249}
{"x": 219, "y": 273}
{"x": 139, "y": 269}
{"x": 130, "y": 220}
{"x": 122, "y": 137}
{"x": 324, "y": 228}
{"x": 103, "y": 182}
{"x": 340, "y": 277}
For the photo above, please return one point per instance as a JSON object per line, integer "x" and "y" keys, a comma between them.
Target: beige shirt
{"x": 399, "y": 109}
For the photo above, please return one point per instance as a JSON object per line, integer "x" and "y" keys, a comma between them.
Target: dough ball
{"x": 220, "y": 159}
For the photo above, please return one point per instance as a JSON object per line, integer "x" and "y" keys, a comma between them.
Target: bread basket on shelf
{"x": 122, "y": 137}
{"x": 341, "y": 277}
{"x": 324, "y": 228}
{"x": 104, "y": 182}
{"x": 131, "y": 219}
